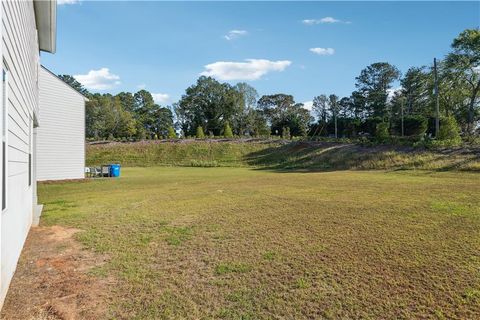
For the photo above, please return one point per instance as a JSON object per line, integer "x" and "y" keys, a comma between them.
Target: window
{"x": 4, "y": 137}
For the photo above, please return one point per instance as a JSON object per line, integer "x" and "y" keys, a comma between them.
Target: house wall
{"x": 20, "y": 56}
{"x": 61, "y": 134}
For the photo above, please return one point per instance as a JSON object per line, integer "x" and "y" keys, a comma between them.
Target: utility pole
{"x": 437, "y": 107}
{"x": 336, "y": 135}
{"x": 401, "y": 112}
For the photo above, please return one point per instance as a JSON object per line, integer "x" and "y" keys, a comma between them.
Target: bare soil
{"x": 53, "y": 279}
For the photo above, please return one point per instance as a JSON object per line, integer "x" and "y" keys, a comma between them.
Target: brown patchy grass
{"x": 238, "y": 243}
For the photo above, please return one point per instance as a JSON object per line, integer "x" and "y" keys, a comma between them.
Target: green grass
{"x": 224, "y": 268}
{"x": 181, "y": 153}
{"x": 280, "y": 155}
{"x": 238, "y": 243}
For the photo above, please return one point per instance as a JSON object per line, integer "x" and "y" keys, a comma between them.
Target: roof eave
{"x": 46, "y": 19}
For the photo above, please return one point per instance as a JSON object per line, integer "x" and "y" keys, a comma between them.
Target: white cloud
{"x": 160, "y": 97}
{"x": 61, "y": 2}
{"x": 234, "y": 34}
{"x": 251, "y": 69}
{"x": 310, "y": 21}
{"x": 100, "y": 79}
{"x": 323, "y": 51}
{"x": 330, "y": 20}
{"x": 476, "y": 69}
{"x": 308, "y": 105}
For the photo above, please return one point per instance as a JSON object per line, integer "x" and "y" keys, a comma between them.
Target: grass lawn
{"x": 241, "y": 243}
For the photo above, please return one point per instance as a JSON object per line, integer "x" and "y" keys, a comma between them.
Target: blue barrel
{"x": 115, "y": 170}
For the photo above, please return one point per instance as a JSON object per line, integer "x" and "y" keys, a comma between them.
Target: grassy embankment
{"x": 280, "y": 155}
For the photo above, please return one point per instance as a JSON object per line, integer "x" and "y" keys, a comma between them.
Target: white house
{"x": 28, "y": 27}
{"x": 61, "y": 134}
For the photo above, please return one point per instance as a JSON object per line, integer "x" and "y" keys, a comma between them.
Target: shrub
{"x": 141, "y": 134}
{"x": 203, "y": 163}
{"x": 200, "y": 134}
{"x": 227, "y": 131}
{"x": 171, "y": 133}
{"x": 370, "y": 125}
{"x": 413, "y": 125}
{"x": 381, "y": 132}
{"x": 449, "y": 130}
{"x": 286, "y": 133}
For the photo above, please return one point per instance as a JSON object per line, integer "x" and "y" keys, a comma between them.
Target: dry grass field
{"x": 239, "y": 243}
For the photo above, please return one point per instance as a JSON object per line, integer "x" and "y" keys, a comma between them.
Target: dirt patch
{"x": 52, "y": 280}
{"x": 84, "y": 180}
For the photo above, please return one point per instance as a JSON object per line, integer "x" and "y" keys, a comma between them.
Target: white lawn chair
{"x": 105, "y": 171}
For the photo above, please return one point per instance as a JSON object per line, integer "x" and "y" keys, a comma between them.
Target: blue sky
{"x": 300, "y": 48}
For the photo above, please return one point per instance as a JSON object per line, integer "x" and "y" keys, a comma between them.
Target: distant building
{"x": 61, "y": 134}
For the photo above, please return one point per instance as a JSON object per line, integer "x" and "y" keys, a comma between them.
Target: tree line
{"x": 375, "y": 108}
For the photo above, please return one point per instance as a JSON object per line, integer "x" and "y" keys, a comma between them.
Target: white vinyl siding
{"x": 61, "y": 133}
{"x": 20, "y": 56}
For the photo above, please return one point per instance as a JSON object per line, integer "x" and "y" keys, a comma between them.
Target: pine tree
{"x": 227, "y": 131}
{"x": 171, "y": 133}
{"x": 200, "y": 134}
{"x": 381, "y": 132}
{"x": 449, "y": 130}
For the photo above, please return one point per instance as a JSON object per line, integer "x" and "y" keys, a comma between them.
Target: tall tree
{"x": 415, "y": 89}
{"x": 373, "y": 84}
{"x": 244, "y": 118}
{"x": 105, "y": 117}
{"x": 320, "y": 107}
{"x": 333, "y": 104}
{"x": 464, "y": 66}
{"x": 259, "y": 126}
{"x": 346, "y": 108}
{"x": 72, "y": 82}
{"x": 145, "y": 111}
{"x": 282, "y": 111}
{"x": 127, "y": 100}
{"x": 208, "y": 103}
{"x": 163, "y": 121}
{"x": 359, "y": 105}
{"x": 453, "y": 93}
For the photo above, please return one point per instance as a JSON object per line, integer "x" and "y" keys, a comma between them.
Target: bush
{"x": 449, "y": 130}
{"x": 200, "y": 134}
{"x": 227, "y": 131}
{"x": 171, "y": 133}
{"x": 286, "y": 133}
{"x": 381, "y": 132}
{"x": 141, "y": 134}
{"x": 370, "y": 125}
{"x": 203, "y": 163}
{"x": 413, "y": 125}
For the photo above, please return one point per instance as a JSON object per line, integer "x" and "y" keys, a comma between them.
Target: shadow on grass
{"x": 323, "y": 157}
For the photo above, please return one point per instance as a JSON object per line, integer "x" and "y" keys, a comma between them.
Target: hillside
{"x": 280, "y": 155}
